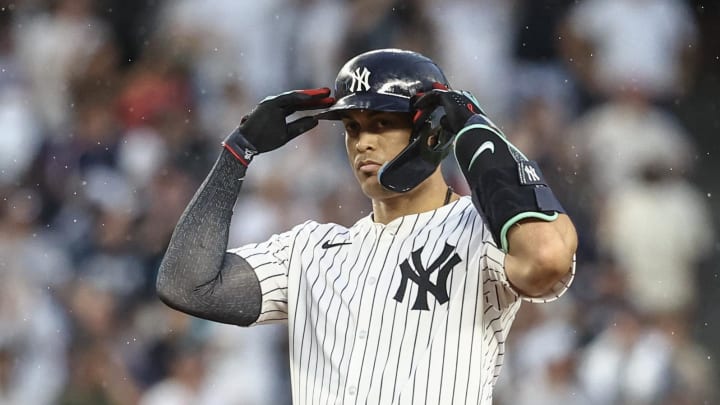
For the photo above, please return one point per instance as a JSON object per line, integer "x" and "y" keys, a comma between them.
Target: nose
{"x": 366, "y": 141}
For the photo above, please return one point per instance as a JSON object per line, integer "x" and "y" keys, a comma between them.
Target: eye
{"x": 385, "y": 122}
{"x": 352, "y": 127}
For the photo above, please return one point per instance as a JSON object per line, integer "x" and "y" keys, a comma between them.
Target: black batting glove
{"x": 266, "y": 128}
{"x": 459, "y": 106}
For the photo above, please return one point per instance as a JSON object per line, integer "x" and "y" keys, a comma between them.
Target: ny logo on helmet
{"x": 360, "y": 80}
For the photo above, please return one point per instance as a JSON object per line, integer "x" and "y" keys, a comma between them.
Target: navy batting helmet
{"x": 386, "y": 80}
{"x": 383, "y": 80}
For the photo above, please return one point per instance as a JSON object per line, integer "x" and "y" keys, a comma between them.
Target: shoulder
{"x": 314, "y": 227}
{"x": 313, "y": 232}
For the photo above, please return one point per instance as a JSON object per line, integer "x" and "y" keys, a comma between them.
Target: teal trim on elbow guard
{"x": 490, "y": 128}
{"x": 519, "y": 217}
{"x": 478, "y": 126}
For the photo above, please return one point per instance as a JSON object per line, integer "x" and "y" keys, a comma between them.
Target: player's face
{"x": 371, "y": 139}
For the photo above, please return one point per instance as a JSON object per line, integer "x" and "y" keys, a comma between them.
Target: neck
{"x": 429, "y": 195}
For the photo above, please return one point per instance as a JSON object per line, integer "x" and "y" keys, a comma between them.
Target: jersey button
{"x": 352, "y": 390}
{"x": 372, "y": 280}
{"x": 362, "y": 334}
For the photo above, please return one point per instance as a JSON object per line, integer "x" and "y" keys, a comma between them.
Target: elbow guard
{"x": 506, "y": 186}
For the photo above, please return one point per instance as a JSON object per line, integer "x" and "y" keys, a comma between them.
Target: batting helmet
{"x": 385, "y": 80}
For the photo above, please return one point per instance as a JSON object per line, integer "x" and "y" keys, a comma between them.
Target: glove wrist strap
{"x": 240, "y": 147}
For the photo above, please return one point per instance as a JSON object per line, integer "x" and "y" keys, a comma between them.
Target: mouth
{"x": 368, "y": 167}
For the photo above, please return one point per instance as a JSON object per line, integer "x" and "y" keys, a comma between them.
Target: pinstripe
{"x": 430, "y": 335}
{"x": 352, "y": 296}
{"x": 359, "y": 380}
{"x": 414, "y": 369}
{"x": 268, "y": 277}
{"x": 339, "y": 296}
{"x": 442, "y": 367}
{"x": 362, "y": 295}
{"x": 327, "y": 361}
{"x": 386, "y": 296}
{"x": 389, "y": 301}
{"x": 373, "y": 305}
{"x": 382, "y": 372}
{"x": 306, "y": 319}
{"x": 291, "y": 330}
{"x": 433, "y": 250}
{"x": 323, "y": 331}
{"x": 462, "y": 308}
{"x": 477, "y": 303}
{"x": 309, "y": 302}
{"x": 273, "y": 290}
{"x": 457, "y": 347}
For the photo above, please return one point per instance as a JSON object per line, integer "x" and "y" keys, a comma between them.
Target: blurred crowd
{"x": 112, "y": 113}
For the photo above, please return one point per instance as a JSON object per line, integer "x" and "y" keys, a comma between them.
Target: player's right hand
{"x": 266, "y": 128}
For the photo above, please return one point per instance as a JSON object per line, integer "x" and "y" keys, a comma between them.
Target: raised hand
{"x": 266, "y": 128}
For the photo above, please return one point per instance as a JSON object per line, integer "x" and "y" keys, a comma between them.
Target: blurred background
{"x": 112, "y": 112}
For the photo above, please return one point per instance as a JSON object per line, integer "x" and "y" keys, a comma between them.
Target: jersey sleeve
{"x": 497, "y": 284}
{"x": 270, "y": 260}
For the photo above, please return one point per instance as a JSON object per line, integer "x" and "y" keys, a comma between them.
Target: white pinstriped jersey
{"x": 412, "y": 312}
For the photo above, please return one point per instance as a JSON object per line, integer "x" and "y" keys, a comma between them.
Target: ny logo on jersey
{"x": 360, "y": 80}
{"x": 421, "y": 276}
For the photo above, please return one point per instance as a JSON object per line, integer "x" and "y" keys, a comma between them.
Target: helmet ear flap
{"x": 429, "y": 145}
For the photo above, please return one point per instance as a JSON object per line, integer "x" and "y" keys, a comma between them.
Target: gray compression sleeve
{"x": 196, "y": 275}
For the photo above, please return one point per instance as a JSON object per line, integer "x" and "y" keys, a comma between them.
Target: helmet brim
{"x": 365, "y": 101}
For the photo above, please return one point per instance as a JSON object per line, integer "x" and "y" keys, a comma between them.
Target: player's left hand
{"x": 459, "y": 106}
{"x": 266, "y": 128}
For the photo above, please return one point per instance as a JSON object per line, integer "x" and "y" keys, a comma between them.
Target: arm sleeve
{"x": 196, "y": 275}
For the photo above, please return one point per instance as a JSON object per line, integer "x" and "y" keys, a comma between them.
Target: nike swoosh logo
{"x": 328, "y": 245}
{"x": 487, "y": 145}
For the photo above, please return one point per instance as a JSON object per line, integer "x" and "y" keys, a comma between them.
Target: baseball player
{"x": 413, "y": 303}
